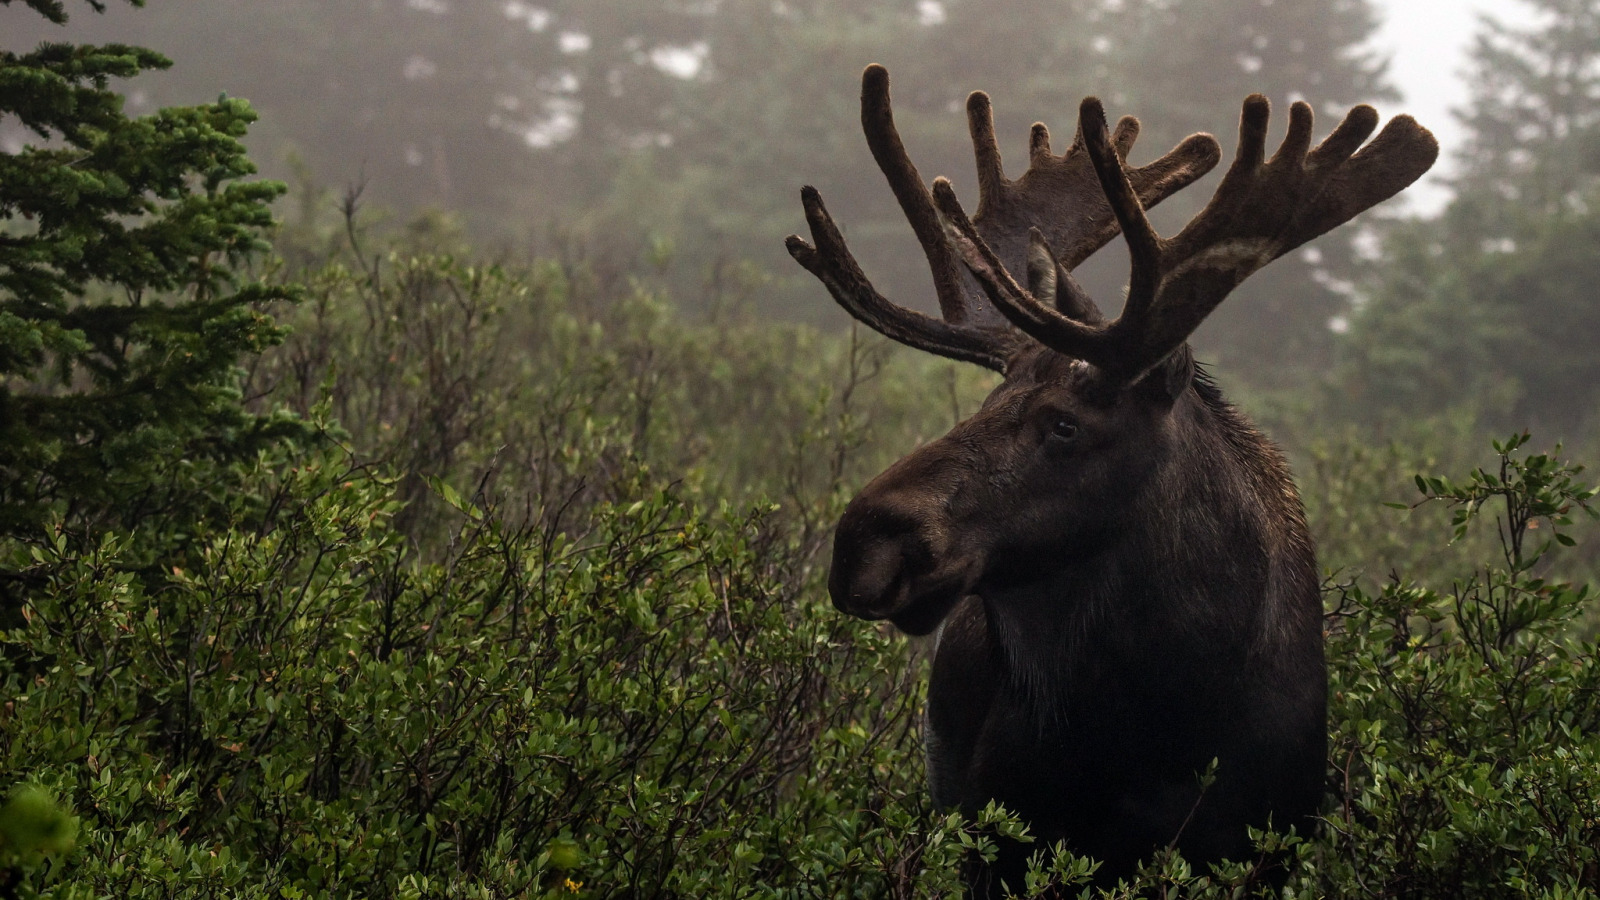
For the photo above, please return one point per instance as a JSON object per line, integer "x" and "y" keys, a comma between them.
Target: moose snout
{"x": 879, "y": 552}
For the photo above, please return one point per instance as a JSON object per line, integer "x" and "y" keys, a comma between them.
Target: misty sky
{"x": 1428, "y": 40}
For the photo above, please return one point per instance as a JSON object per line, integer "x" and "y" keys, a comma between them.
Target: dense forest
{"x": 417, "y": 478}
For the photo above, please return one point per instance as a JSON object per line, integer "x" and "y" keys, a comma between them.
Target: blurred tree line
{"x": 671, "y": 137}
{"x": 1493, "y": 303}
{"x": 679, "y": 132}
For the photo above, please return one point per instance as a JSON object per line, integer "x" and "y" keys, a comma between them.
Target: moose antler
{"x": 1263, "y": 209}
{"x": 1060, "y": 195}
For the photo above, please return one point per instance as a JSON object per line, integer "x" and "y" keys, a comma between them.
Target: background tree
{"x": 122, "y": 311}
{"x": 1492, "y": 305}
{"x": 1534, "y": 116}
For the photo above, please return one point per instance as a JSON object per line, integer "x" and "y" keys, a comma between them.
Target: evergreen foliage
{"x": 124, "y": 307}
{"x": 1534, "y": 116}
{"x": 1492, "y": 305}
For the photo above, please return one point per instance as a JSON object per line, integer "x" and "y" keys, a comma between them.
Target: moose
{"x": 1114, "y": 563}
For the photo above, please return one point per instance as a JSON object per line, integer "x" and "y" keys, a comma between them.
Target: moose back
{"x": 1114, "y": 562}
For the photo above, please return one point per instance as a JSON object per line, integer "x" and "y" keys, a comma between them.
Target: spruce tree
{"x": 1534, "y": 119}
{"x": 125, "y": 307}
{"x": 1492, "y": 304}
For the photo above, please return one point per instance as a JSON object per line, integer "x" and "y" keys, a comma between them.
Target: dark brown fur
{"x": 1130, "y": 605}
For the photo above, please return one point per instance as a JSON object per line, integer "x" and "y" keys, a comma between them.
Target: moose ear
{"x": 1168, "y": 380}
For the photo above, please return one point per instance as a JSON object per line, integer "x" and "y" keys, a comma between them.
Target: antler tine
{"x": 877, "y": 121}
{"x": 986, "y": 151}
{"x": 831, "y": 261}
{"x": 1061, "y": 195}
{"x": 1144, "y": 246}
{"x": 1399, "y": 155}
{"x": 1048, "y": 277}
{"x": 1297, "y": 140}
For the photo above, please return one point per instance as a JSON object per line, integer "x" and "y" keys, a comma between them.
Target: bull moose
{"x": 1114, "y": 563}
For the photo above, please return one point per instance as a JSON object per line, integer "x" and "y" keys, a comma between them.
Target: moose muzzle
{"x": 893, "y": 560}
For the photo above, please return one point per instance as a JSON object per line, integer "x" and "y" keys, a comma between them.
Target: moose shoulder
{"x": 1115, "y": 563}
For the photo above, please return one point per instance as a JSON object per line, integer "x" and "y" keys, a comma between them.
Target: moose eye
{"x": 1064, "y": 429}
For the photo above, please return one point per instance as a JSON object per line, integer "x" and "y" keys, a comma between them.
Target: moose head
{"x": 1115, "y": 562}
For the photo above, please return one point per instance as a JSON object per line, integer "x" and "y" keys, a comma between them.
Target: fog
{"x": 1426, "y": 42}
{"x": 674, "y": 137}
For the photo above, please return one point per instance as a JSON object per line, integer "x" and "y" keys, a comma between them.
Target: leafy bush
{"x": 550, "y": 656}
{"x": 643, "y": 707}
{"x": 34, "y": 830}
{"x": 1465, "y": 716}
{"x": 442, "y": 367}
{"x": 647, "y": 697}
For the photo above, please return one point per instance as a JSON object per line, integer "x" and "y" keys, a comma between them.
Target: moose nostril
{"x": 878, "y": 550}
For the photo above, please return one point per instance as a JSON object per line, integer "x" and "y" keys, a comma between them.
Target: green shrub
{"x": 651, "y": 700}
{"x": 1465, "y": 716}
{"x": 34, "y": 831}
{"x": 543, "y": 381}
{"x": 550, "y": 656}
{"x": 642, "y": 707}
